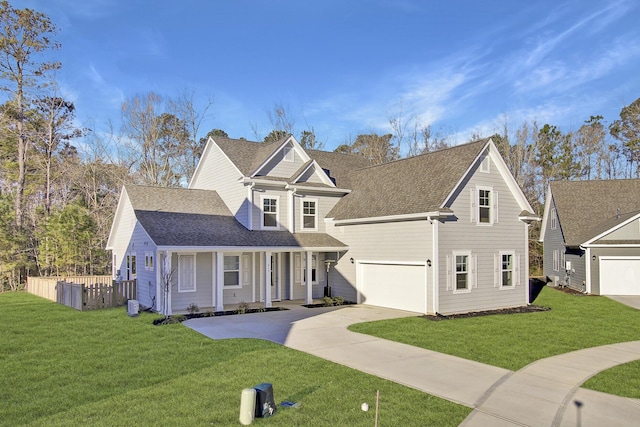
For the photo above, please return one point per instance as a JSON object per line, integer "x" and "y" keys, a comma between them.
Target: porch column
{"x": 291, "y": 273}
{"x": 267, "y": 279}
{"x": 166, "y": 283}
{"x": 219, "y": 283}
{"x": 308, "y": 280}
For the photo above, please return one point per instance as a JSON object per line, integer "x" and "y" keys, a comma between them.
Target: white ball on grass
{"x": 365, "y": 407}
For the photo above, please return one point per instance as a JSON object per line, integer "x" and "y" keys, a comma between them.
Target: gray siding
{"x": 595, "y": 264}
{"x": 394, "y": 241}
{"x": 577, "y": 276}
{"x": 484, "y": 242}
{"x": 203, "y": 296}
{"x": 218, "y": 173}
{"x": 283, "y": 207}
{"x": 630, "y": 231}
{"x": 323, "y": 206}
{"x": 553, "y": 240}
{"x": 278, "y": 167}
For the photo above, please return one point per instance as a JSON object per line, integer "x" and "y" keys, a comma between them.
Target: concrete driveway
{"x": 630, "y": 300}
{"x": 540, "y": 394}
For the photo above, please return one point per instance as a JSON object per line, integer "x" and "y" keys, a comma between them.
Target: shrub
{"x": 242, "y": 307}
{"x": 327, "y": 301}
{"x": 193, "y": 308}
{"x": 338, "y": 300}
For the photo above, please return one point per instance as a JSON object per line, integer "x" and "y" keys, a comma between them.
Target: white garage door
{"x": 402, "y": 286}
{"x": 620, "y": 275}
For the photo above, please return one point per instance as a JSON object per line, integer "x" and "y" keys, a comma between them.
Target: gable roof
{"x": 586, "y": 209}
{"x": 249, "y": 155}
{"x": 191, "y": 218}
{"x": 381, "y": 191}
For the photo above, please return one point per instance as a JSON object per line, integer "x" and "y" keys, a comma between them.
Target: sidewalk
{"x": 541, "y": 394}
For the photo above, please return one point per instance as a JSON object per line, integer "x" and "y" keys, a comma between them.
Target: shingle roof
{"x": 413, "y": 185}
{"x": 248, "y": 155}
{"x": 188, "y": 217}
{"x": 588, "y": 208}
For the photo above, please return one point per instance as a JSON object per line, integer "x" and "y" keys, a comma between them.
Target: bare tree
{"x": 160, "y": 140}
{"x": 184, "y": 107}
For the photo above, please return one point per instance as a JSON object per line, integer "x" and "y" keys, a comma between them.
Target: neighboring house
{"x": 443, "y": 232}
{"x": 591, "y": 235}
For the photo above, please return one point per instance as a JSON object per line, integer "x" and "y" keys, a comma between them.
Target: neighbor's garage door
{"x": 620, "y": 275}
{"x": 401, "y": 286}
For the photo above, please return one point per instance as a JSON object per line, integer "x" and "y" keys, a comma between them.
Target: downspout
{"x": 250, "y": 206}
{"x": 292, "y": 210}
{"x": 435, "y": 273}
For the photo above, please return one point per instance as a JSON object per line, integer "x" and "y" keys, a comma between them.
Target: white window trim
{"x": 149, "y": 262}
{"x": 240, "y": 272}
{"x": 554, "y": 219}
{"x": 180, "y": 260}
{"x": 556, "y": 260}
{"x": 514, "y": 269}
{"x": 301, "y": 264}
{"x": 470, "y": 272}
{"x": 302, "y": 227}
{"x": 492, "y": 195}
{"x": 262, "y": 199}
{"x": 131, "y": 265}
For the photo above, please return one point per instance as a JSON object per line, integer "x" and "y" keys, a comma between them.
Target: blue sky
{"x": 345, "y": 67}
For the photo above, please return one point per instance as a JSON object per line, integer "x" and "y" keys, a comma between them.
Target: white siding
{"x": 507, "y": 233}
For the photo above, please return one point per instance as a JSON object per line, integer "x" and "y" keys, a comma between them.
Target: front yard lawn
{"x": 61, "y": 367}
{"x": 512, "y": 341}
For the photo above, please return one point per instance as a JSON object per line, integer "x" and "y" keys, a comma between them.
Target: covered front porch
{"x": 219, "y": 280}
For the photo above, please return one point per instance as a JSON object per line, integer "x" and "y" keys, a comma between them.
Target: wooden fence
{"x": 96, "y": 292}
{"x": 45, "y": 287}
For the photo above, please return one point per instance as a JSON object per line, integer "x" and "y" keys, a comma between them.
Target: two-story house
{"x": 443, "y": 232}
{"x": 591, "y": 235}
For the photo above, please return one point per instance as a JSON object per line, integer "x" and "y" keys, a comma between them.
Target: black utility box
{"x": 265, "y": 404}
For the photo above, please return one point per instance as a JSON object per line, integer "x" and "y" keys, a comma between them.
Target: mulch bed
{"x": 178, "y": 318}
{"x": 324, "y": 305}
{"x": 514, "y": 310}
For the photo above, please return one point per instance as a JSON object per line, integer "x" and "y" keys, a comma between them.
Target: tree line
{"x": 60, "y": 183}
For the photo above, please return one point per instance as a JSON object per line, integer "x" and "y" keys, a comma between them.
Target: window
{"x": 314, "y": 269}
{"x": 506, "y": 269}
{"x": 232, "y": 270}
{"x": 309, "y": 214}
{"x": 187, "y": 273}
{"x": 269, "y": 212}
{"x": 131, "y": 267}
{"x": 288, "y": 155}
{"x": 148, "y": 261}
{"x": 556, "y": 260}
{"x": 554, "y": 219}
{"x": 461, "y": 272}
{"x": 484, "y": 206}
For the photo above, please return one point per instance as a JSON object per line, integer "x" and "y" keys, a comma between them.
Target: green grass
{"x": 61, "y": 367}
{"x": 622, "y": 380}
{"x": 512, "y": 341}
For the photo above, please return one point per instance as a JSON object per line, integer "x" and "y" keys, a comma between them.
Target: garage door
{"x": 394, "y": 285}
{"x": 620, "y": 275}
